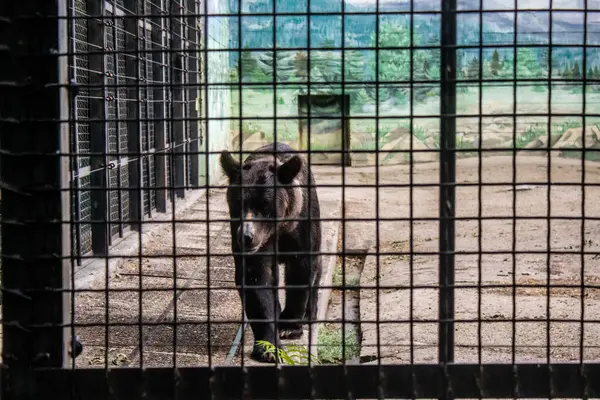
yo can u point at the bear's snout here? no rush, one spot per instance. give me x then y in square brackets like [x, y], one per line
[246, 236]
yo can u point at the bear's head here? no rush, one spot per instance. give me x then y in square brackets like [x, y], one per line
[270, 190]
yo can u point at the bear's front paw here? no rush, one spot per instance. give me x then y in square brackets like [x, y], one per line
[290, 330]
[260, 354]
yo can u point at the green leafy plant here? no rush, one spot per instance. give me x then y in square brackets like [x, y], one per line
[334, 346]
[292, 355]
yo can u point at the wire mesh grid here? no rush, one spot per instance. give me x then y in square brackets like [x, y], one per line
[425, 227]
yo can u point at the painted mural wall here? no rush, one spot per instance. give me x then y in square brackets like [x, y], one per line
[218, 98]
[274, 50]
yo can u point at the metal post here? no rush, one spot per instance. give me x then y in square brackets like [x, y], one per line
[193, 55]
[177, 64]
[73, 134]
[98, 131]
[160, 133]
[447, 189]
[35, 197]
[136, 202]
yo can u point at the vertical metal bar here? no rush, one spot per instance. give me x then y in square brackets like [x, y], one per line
[514, 182]
[206, 146]
[98, 130]
[480, 188]
[135, 6]
[202, 93]
[239, 83]
[160, 138]
[174, 43]
[582, 258]
[133, 116]
[119, 158]
[184, 95]
[411, 178]
[142, 77]
[343, 184]
[35, 239]
[377, 194]
[169, 97]
[549, 235]
[111, 103]
[146, 149]
[74, 134]
[447, 182]
[177, 99]
[193, 95]
[73, 183]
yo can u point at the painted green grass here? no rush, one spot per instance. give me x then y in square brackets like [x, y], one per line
[263, 102]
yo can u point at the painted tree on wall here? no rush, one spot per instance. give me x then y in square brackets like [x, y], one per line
[250, 71]
[300, 64]
[426, 67]
[576, 71]
[393, 65]
[325, 66]
[528, 64]
[567, 72]
[496, 64]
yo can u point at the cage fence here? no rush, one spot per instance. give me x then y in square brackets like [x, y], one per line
[426, 227]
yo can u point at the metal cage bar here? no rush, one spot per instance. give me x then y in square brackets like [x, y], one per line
[108, 104]
[35, 191]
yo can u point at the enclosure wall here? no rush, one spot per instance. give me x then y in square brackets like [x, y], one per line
[135, 128]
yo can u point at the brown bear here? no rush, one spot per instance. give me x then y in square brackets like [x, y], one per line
[273, 210]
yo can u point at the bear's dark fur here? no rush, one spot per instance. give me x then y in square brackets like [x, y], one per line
[259, 233]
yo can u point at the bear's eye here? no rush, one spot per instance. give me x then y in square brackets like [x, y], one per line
[246, 167]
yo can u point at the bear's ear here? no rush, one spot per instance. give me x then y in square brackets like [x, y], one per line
[230, 166]
[289, 170]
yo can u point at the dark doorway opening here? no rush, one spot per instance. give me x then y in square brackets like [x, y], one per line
[329, 128]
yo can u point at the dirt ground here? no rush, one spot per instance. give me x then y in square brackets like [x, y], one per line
[162, 291]
[207, 320]
[392, 341]
[197, 346]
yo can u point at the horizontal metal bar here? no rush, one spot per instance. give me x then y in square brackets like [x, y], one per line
[215, 254]
[324, 382]
[334, 13]
[326, 117]
[85, 171]
[380, 186]
[486, 83]
[320, 49]
[228, 286]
